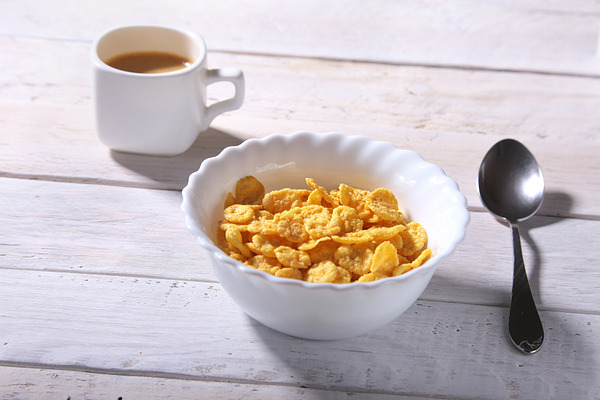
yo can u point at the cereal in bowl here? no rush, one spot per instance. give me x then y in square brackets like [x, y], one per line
[339, 236]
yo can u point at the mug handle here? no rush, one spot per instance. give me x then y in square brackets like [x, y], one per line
[233, 75]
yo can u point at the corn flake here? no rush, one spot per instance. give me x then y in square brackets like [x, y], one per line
[312, 243]
[249, 190]
[347, 219]
[265, 264]
[293, 258]
[318, 222]
[384, 205]
[290, 273]
[342, 236]
[322, 193]
[290, 225]
[385, 259]
[414, 238]
[229, 200]
[354, 198]
[230, 250]
[266, 244]
[327, 272]
[234, 238]
[406, 265]
[355, 259]
[360, 237]
[278, 201]
[371, 277]
[323, 251]
[239, 213]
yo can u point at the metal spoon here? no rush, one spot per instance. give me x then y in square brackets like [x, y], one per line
[511, 186]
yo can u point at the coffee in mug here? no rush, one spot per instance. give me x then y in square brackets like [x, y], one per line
[148, 62]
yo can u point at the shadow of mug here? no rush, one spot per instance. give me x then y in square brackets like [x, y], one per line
[173, 172]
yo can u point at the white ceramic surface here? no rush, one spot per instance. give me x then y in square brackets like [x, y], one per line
[156, 114]
[326, 311]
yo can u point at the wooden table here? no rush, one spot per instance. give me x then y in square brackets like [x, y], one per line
[104, 294]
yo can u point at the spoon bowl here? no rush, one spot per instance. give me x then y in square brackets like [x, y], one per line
[511, 187]
[511, 184]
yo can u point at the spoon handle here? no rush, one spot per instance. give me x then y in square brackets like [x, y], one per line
[524, 324]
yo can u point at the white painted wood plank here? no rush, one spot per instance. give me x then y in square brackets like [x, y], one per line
[450, 117]
[532, 35]
[30, 383]
[151, 326]
[560, 258]
[96, 229]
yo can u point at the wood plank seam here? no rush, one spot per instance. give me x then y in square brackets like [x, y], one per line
[457, 67]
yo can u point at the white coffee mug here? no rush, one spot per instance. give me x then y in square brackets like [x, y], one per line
[156, 113]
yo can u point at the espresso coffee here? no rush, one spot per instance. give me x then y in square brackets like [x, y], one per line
[148, 62]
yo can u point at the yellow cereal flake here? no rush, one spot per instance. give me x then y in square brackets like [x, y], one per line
[360, 237]
[278, 201]
[262, 226]
[314, 198]
[347, 219]
[385, 259]
[402, 268]
[291, 273]
[355, 259]
[290, 225]
[266, 244]
[397, 241]
[239, 213]
[323, 251]
[415, 238]
[234, 238]
[293, 258]
[249, 190]
[354, 198]
[317, 221]
[229, 200]
[323, 194]
[227, 248]
[327, 272]
[384, 205]
[265, 264]
[408, 265]
[342, 236]
[312, 243]
[382, 233]
[224, 225]
[417, 262]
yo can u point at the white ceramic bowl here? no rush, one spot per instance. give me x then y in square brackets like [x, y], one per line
[323, 310]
